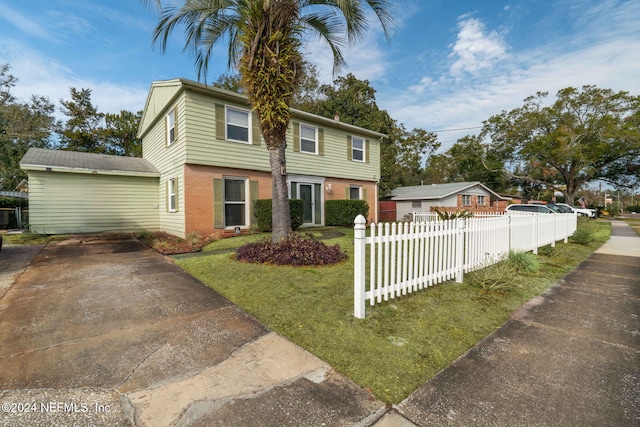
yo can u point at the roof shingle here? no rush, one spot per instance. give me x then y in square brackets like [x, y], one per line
[41, 157]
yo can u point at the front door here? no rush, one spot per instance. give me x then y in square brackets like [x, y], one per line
[305, 192]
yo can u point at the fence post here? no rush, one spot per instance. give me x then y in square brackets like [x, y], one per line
[359, 242]
[460, 238]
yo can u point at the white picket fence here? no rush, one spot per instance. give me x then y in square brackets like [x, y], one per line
[408, 257]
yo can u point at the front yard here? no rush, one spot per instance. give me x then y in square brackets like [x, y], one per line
[402, 343]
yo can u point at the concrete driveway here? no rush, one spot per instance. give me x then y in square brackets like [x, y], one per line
[100, 330]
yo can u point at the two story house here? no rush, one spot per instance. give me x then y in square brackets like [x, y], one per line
[202, 149]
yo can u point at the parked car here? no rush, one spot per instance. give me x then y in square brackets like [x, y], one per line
[590, 213]
[529, 208]
[557, 208]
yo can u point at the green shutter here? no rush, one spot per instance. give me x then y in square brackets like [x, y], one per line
[255, 124]
[176, 189]
[364, 193]
[253, 196]
[175, 124]
[166, 198]
[218, 203]
[349, 148]
[366, 150]
[220, 126]
[294, 190]
[321, 141]
[348, 192]
[318, 203]
[296, 136]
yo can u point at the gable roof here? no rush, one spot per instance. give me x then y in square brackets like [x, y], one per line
[437, 191]
[72, 161]
[169, 90]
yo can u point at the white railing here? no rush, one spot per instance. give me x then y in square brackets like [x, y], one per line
[407, 257]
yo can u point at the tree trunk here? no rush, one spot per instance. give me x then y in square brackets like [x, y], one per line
[280, 214]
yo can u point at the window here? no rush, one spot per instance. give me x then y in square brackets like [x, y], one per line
[357, 149]
[308, 139]
[416, 204]
[235, 202]
[355, 193]
[237, 125]
[172, 195]
[466, 200]
[480, 200]
[171, 127]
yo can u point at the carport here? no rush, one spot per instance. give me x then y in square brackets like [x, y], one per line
[72, 192]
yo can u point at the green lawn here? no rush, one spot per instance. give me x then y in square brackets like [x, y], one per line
[401, 343]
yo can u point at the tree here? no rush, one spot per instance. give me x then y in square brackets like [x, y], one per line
[402, 152]
[264, 39]
[91, 131]
[22, 125]
[121, 133]
[585, 135]
[467, 160]
[83, 129]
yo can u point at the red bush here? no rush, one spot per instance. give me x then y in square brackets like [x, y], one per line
[295, 249]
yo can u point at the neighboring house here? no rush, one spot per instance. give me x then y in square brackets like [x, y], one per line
[210, 163]
[471, 196]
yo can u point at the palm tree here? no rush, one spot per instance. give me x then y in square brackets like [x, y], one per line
[264, 43]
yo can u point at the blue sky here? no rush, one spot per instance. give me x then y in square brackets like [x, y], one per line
[451, 63]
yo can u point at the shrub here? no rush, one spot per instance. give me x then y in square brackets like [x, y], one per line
[582, 236]
[444, 215]
[523, 261]
[13, 202]
[633, 208]
[497, 277]
[342, 213]
[295, 249]
[613, 210]
[262, 212]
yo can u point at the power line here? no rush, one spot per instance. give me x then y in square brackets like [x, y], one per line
[453, 130]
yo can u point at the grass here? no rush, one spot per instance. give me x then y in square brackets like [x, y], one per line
[401, 343]
[27, 238]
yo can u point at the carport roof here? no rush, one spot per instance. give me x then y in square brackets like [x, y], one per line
[437, 191]
[73, 161]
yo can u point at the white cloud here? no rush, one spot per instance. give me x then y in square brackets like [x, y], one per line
[474, 49]
[42, 75]
[26, 24]
[425, 82]
[602, 54]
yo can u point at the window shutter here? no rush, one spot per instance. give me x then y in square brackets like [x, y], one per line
[296, 136]
[366, 151]
[220, 126]
[166, 130]
[349, 148]
[321, 141]
[175, 124]
[218, 203]
[364, 193]
[255, 128]
[166, 190]
[348, 192]
[253, 196]
[175, 183]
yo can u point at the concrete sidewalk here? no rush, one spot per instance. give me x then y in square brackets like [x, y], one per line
[570, 357]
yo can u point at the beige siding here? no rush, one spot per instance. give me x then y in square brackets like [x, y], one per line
[157, 102]
[204, 149]
[335, 162]
[83, 203]
[172, 222]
